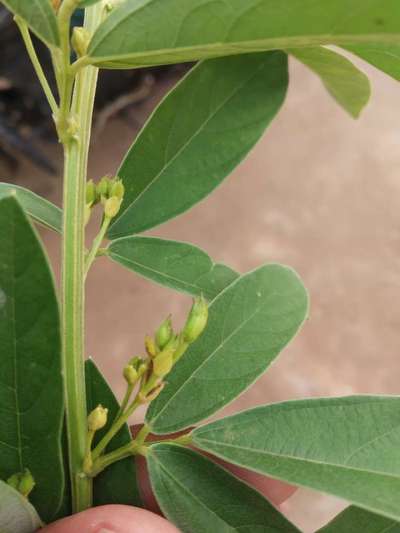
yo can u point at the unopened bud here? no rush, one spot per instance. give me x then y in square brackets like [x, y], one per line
[112, 207]
[130, 375]
[102, 187]
[164, 333]
[150, 346]
[91, 193]
[97, 419]
[23, 482]
[26, 484]
[80, 40]
[163, 363]
[117, 189]
[197, 320]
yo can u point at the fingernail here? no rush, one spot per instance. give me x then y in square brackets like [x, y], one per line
[104, 530]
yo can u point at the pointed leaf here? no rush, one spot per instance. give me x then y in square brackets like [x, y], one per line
[197, 136]
[117, 484]
[197, 495]
[177, 265]
[250, 322]
[348, 447]
[353, 519]
[344, 81]
[31, 389]
[38, 208]
[154, 32]
[39, 15]
[385, 57]
[17, 515]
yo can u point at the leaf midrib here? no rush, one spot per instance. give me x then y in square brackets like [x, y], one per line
[191, 139]
[290, 457]
[240, 47]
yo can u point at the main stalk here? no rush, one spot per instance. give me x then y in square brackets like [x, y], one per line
[76, 148]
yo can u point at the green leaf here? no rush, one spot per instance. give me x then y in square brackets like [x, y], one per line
[38, 208]
[117, 484]
[17, 515]
[40, 17]
[250, 322]
[385, 57]
[157, 32]
[348, 447]
[199, 496]
[346, 83]
[197, 136]
[177, 265]
[87, 3]
[31, 389]
[353, 519]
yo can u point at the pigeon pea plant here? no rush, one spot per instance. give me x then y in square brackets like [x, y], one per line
[64, 441]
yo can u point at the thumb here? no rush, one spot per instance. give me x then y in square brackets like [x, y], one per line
[112, 519]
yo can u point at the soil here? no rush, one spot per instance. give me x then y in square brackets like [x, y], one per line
[320, 193]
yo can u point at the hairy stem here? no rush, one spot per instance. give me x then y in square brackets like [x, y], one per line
[76, 149]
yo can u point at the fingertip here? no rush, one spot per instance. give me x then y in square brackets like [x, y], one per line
[112, 519]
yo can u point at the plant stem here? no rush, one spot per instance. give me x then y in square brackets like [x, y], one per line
[97, 244]
[26, 36]
[76, 156]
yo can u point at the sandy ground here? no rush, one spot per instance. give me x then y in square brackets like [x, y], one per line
[320, 193]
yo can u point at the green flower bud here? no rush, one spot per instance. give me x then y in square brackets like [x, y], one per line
[164, 333]
[23, 482]
[26, 484]
[130, 375]
[117, 189]
[136, 362]
[102, 187]
[97, 419]
[164, 361]
[91, 193]
[80, 40]
[112, 207]
[197, 320]
[150, 346]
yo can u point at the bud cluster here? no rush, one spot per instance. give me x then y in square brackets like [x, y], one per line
[109, 192]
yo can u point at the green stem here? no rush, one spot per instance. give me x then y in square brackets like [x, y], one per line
[97, 244]
[125, 401]
[26, 36]
[76, 156]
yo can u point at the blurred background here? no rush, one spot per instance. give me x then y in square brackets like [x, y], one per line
[320, 192]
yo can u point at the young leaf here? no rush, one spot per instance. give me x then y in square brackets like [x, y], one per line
[39, 15]
[385, 57]
[197, 136]
[31, 392]
[17, 515]
[250, 322]
[38, 208]
[197, 495]
[117, 483]
[348, 447]
[353, 519]
[345, 82]
[157, 32]
[177, 265]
